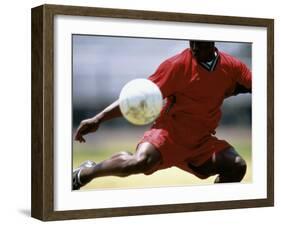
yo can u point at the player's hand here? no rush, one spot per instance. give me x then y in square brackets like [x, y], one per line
[86, 126]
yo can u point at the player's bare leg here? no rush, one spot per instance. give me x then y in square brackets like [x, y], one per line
[228, 164]
[122, 164]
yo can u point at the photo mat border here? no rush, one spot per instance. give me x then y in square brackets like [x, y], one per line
[42, 48]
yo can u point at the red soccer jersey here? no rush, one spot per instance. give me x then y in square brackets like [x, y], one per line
[184, 131]
[199, 93]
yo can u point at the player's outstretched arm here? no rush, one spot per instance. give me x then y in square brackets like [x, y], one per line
[92, 124]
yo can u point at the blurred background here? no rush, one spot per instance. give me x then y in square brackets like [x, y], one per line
[102, 65]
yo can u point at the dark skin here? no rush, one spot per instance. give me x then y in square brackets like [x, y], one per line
[146, 156]
[91, 125]
[202, 51]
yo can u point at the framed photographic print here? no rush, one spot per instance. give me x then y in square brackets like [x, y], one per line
[206, 143]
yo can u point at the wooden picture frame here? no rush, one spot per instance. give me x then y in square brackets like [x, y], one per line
[42, 203]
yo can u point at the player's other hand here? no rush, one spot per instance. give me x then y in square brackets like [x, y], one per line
[86, 126]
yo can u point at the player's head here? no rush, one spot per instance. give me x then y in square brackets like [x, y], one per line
[203, 51]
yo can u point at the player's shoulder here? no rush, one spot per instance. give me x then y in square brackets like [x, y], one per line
[179, 59]
[231, 62]
[228, 59]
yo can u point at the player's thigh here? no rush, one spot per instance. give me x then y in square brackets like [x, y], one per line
[205, 170]
[221, 162]
[148, 153]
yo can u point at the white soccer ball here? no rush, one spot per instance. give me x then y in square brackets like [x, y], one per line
[140, 101]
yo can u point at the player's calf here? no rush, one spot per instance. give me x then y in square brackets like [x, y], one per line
[136, 165]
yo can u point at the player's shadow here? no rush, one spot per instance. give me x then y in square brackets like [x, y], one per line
[25, 212]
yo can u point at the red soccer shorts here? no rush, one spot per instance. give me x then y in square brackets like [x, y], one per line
[181, 144]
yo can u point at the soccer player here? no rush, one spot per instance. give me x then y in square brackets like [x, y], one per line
[194, 83]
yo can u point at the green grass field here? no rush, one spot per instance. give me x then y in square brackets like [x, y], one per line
[105, 143]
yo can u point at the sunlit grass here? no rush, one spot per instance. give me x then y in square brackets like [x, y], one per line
[168, 177]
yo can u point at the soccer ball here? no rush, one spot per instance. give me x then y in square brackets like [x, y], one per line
[140, 101]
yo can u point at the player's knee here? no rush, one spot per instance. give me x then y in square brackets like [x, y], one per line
[235, 172]
[240, 168]
[232, 167]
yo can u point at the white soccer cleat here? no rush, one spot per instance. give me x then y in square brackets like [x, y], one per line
[76, 183]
